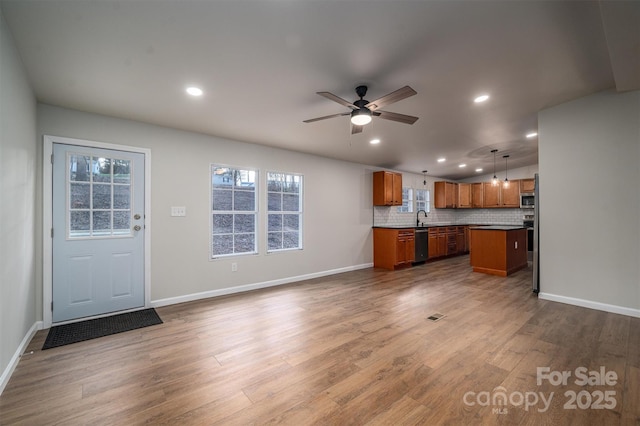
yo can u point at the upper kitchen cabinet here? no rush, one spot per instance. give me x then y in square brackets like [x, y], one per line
[464, 196]
[501, 196]
[446, 195]
[477, 195]
[491, 194]
[527, 185]
[510, 195]
[387, 188]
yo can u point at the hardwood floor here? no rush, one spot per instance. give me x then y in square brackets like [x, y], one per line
[355, 348]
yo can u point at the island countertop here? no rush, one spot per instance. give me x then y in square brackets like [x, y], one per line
[497, 227]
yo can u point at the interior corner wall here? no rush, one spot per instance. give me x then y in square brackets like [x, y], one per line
[589, 152]
[337, 204]
[17, 205]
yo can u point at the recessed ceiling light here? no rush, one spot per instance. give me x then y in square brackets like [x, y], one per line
[462, 165]
[481, 98]
[374, 141]
[441, 160]
[478, 170]
[194, 91]
[532, 135]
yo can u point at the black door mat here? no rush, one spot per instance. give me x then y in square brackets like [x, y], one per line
[61, 335]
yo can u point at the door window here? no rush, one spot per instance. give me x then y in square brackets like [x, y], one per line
[99, 197]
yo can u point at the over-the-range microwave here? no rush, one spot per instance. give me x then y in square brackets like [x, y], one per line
[527, 200]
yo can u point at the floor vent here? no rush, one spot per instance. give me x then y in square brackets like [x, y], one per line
[435, 317]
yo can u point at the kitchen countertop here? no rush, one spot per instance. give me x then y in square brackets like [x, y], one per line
[438, 225]
[498, 227]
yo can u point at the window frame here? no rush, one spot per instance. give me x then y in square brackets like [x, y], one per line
[213, 256]
[299, 213]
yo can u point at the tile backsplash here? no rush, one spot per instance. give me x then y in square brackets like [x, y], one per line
[389, 216]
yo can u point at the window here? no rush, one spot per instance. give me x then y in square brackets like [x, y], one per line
[423, 201]
[407, 201]
[99, 196]
[284, 218]
[234, 211]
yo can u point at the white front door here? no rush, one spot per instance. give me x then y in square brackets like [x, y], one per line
[98, 231]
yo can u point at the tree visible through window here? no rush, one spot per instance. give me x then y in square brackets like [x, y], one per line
[234, 211]
[284, 218]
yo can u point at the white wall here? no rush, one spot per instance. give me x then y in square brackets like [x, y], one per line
[589, 151]
[337, 205]
[17, 205]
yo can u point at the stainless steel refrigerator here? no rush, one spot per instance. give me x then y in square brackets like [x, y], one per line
[536, 237]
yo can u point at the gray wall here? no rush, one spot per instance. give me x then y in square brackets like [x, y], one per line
[18, 171]
[589, 151]
[337, 205]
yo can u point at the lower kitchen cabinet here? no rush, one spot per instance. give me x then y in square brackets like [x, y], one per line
[447, 241]
[460, 240]
[393, 248]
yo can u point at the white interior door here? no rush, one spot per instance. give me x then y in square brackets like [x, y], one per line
[98, 231]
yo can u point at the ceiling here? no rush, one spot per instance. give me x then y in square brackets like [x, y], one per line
[260, 64]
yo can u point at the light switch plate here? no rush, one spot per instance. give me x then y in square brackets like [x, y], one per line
[178, 211]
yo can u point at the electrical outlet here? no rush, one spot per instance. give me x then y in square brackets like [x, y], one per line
[178, 211]
[234, 267]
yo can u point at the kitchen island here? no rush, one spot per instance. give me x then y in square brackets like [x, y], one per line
[498, 250]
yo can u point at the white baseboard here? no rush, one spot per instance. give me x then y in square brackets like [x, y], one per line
[615, 309]
[6, 374]
[255, 286]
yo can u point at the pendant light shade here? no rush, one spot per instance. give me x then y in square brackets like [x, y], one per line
[361, 116]
[506, 170]
[494, 180]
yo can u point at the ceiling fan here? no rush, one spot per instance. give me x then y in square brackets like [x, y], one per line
[362, 110]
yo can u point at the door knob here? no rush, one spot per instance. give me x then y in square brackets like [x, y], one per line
[137, 228]
[136, 216]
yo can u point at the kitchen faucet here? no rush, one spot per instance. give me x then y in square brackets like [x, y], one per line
[418, 217]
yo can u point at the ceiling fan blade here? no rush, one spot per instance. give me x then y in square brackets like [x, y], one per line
[326, 116]
[392, 97]
[394, 116]
[337, 99]
[356, 129]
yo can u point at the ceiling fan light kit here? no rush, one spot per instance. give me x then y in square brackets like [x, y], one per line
[361, 116]
[362, 111]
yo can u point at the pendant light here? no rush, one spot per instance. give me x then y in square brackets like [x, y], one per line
[506, 169]
[494, 181]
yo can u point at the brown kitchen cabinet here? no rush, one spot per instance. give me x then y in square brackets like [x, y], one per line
[437, 242]
[467, 241]
[452, 247]
[446, 195]
[387, 188]
[527, 185]
[460, 240]
[501, 196]
[464, 196]
[510, 195]
[393, 248]
[491, 194]
[477, 195]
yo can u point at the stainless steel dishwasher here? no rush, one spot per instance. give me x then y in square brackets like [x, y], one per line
[422, 245]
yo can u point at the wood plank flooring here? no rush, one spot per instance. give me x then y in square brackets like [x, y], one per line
[349, 349]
